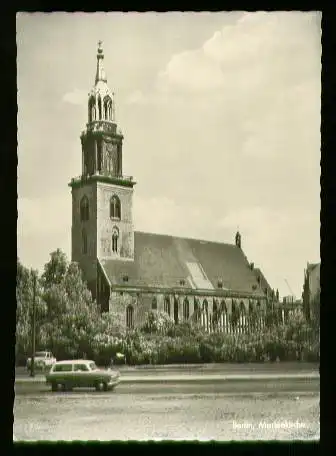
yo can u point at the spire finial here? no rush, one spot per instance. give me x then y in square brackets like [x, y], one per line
[100, 74]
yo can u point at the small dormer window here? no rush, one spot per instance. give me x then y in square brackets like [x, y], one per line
[182, 282]
[258, 279]
[254, 287]
[220, 284]
[125, 278]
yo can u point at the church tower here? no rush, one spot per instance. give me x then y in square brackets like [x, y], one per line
[102, 225]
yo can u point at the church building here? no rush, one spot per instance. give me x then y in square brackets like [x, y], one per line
[131, 272]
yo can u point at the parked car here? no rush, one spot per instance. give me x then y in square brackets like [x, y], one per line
[42, 360]
[66, 375]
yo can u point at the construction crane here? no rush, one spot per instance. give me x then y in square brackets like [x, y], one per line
[289, 288]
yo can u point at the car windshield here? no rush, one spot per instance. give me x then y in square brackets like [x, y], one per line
[93, 366]
[41, 354]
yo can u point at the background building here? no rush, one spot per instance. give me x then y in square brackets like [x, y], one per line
[131, 272]
[311, 290]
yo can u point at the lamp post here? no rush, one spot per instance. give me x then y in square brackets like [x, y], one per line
[32, 367]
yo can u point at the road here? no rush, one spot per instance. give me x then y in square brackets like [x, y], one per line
[226, 410]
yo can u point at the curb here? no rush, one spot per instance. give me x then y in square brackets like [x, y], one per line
[194, 378]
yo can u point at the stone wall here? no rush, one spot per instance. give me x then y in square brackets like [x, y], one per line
[142, 302]
[87, 262]
[105, 224]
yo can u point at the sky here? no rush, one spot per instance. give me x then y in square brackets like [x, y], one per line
[221, 120]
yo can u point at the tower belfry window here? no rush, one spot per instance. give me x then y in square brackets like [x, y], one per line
[92, 109]
[115, 209]
[107, 108]
[99, 108]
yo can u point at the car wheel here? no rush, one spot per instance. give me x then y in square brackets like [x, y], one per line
[101, 386]
[66, 387]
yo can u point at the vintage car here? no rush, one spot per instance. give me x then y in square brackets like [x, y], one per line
[66, 375]
[42, 360]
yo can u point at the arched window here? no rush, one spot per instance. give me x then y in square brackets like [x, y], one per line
[242, 317]
[129, 317]
[84, 241]
[115, 236]
[99, 155]
[99, 108]
[107, 110]
[223, 319]
[176, 316]
[214, 306]
[115, 207]
[205, 315]
[92, 109]
[154, 303]
[167, 305]
[186, 309]
[84, 209]
[234, 314]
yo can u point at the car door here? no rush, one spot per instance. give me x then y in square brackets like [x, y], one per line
[63, 373]
[81, 375]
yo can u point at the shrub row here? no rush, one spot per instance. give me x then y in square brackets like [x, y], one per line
[207, 348]
[161, 342]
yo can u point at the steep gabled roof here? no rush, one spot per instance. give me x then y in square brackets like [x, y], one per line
[263, 282]
[172, 262]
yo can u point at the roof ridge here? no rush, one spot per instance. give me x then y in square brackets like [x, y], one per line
[185, 238]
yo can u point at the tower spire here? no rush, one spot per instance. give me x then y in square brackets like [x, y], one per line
[100, 74]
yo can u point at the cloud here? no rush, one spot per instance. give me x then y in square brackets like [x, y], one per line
[260, 77]
[192, 71]
[136, 97]
[248, 54]
[76, 97]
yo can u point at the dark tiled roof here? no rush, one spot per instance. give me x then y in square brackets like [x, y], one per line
[163, 261]
[263, 282]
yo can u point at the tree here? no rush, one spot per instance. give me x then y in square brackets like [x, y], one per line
[24, 300]
[72, 315]
[157, 322]
[316, 309]
[55, 270]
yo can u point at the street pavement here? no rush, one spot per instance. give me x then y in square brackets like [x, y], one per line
[195, 381]
[222, 368]
[221, 402]
[159, 414]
